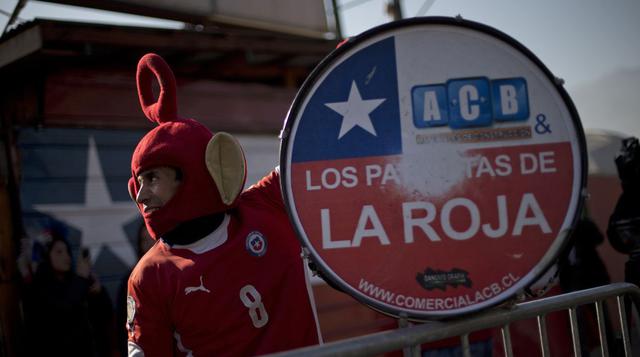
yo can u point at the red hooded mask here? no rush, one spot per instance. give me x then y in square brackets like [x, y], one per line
[187, 145]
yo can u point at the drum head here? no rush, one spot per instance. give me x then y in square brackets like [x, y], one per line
[433, 167]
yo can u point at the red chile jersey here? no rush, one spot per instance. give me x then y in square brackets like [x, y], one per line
[242, 290]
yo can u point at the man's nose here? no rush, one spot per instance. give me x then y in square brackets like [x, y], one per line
[143, 194]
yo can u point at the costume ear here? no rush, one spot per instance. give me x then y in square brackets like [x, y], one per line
[226, 164]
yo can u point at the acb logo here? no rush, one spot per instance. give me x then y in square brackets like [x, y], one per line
[470, 102]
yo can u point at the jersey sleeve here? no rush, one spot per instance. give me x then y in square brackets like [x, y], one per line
[148, 326]
[269, 188]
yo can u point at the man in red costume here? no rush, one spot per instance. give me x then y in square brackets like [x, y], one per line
[225, 276]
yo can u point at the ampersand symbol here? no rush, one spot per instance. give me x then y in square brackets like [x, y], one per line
[542, 127]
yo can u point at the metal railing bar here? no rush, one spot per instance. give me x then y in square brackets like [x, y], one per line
[544, 339]
[408, 351]
[506, 340]
[622, 313]
[466, 349]
[602, 329]
[393, 340]
[575, 332]
[416, 351]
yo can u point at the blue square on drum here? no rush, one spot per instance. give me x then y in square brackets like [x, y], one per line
[510, 99]
[429, 105]
[469, 103]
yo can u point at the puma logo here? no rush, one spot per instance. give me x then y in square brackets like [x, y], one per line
[200, 287]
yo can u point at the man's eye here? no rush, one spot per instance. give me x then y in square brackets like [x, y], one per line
[146, 178]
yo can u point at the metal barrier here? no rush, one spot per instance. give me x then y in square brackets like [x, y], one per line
[501, 316]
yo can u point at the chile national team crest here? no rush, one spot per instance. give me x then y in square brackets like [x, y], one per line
[433, 167]
[256, 244]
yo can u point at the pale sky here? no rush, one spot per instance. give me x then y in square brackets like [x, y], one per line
[579, 40]
[592, 44]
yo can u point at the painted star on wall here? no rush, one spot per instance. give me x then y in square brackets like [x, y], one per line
[355, 111]
[99, 219]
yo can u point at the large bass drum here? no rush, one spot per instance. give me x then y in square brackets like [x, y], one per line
[433, 167]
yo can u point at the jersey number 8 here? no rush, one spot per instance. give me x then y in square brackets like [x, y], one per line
[253, 301]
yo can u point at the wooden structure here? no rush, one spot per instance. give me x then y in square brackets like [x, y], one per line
[73, 74]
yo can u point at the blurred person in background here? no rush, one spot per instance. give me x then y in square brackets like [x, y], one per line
[580, 269]
[623, 230]
[67, 312]
[624, 224]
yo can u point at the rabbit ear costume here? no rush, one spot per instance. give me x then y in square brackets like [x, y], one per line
[212, 166]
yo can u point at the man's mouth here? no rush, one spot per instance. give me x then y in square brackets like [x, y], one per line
[148, 209]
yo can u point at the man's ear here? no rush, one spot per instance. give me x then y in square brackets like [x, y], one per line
[132, 189]
[227, 166]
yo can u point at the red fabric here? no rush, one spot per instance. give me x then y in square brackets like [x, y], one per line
[219, 323]
[176, 142]
[166, 108]
[179, 144]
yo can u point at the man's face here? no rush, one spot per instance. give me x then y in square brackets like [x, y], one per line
[157, 186]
